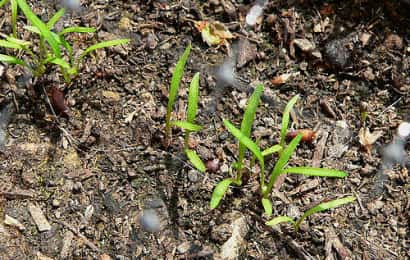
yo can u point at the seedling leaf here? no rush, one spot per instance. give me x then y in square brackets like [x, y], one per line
[11, 45]
[267, 206]
[285, 119]
[187, 126]
[12, 60]
[193, 98]
[101, 45]
[248, 118]
[247, 142]
[173, 89]
[60, 62]
[45, 32]
[282, 161]
[14, 7]
[271, 150]
[3, 2]
[77, 29]
[55, 18]
[324, 206]
[219, 192]
[195, 160]
[312, 171]
[280, 219]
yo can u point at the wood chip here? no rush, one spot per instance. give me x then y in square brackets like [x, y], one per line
[319, 150]
[39, 218]
[10, 221]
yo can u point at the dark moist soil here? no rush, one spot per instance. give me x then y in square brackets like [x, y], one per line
[94, 173]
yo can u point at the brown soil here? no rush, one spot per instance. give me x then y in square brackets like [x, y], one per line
[93, 173]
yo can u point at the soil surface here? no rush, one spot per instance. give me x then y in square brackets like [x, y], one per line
[103, 185]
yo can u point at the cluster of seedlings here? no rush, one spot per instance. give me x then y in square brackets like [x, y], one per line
[283, 150]
[52, 48]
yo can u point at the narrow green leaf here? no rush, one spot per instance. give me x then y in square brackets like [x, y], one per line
[45, 32]
[3, 2]
[267, 206]
[187, 126]
[32, 29]
[60, 62]
[195, 160]
[219, 192]
[11, 45]
[285, 119]
[271, 150]
[193, 98]
[76, 29]
[280, 219]
[55, 18]
[14, 8]
[176, 79]
[23, 43]
[312, 171]
[247, 142]
[324, 206]
[12, 60]
[283, 160]
[101, 45]
[248, 118]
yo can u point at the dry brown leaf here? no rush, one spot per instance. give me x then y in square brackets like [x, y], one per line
[213, 33]
[367, 139]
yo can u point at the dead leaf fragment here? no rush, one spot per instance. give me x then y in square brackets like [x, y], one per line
[111, 95]
[283, 78]
[213, 33]
[367, 139]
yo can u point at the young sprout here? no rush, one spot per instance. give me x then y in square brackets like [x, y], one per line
[13, 7]
[318, 208]
[285, 153]
[51, 44]
[173, 90]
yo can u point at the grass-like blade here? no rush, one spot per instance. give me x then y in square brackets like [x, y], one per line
[13, 60]
[45, 32]
[195, 160]
[55, 18]
[187, 126]
[11, 45]
[3, 2]
[251, 145]
[267, 206]
[23, 43]
[60, 62]
[282, 161]
[285, 119]
[77, 29]
[193, 98]
[248, 118]
[173, 89]
[324, 206]
[14, 9]
[32, 29]
[280, 219]
[219, 192]
[100, 45]
[312, 171]
[271, 150]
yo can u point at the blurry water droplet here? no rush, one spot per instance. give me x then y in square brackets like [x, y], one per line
[150, 221]
[71, 4]
[403, 130]
[254, 13]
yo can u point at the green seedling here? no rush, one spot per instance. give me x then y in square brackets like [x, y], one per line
[318, 208]
[193, 95]
[13, 7]
[173, 90]
[285, 152]
[51, 45]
